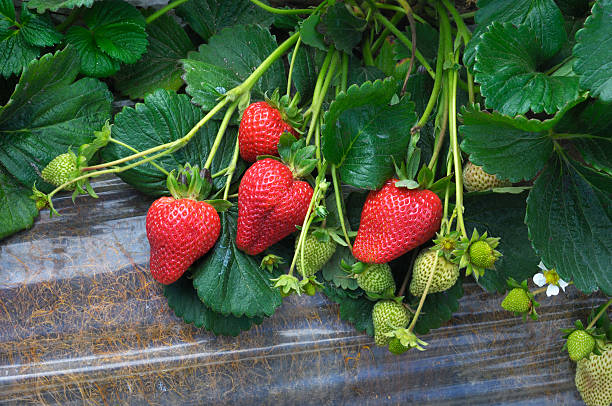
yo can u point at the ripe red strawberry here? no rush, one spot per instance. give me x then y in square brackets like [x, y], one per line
[260, 130]
[179, 232]
[395, 220]
[270, 204]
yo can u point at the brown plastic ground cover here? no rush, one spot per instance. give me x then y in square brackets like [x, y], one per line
[82, 322]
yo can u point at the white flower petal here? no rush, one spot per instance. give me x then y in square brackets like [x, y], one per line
[563, 284]
[542, 266]
[539, 279]
[552, 290]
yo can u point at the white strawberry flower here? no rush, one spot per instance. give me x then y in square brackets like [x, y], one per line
[550, 277]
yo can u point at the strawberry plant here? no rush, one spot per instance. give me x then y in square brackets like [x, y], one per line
[381, 153]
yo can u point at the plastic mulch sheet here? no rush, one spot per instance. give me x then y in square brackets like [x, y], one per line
[82, 322]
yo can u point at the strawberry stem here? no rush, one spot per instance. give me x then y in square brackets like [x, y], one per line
[424, 295]
[283, 11]
[439, 141]
[338, 195]
[599, 314]
[230, 171]
[111, 139]
[305, 225]
[320, 96]
[293, 56]
[408, 274]
[226, 119]
[435, 92]
[164, 10]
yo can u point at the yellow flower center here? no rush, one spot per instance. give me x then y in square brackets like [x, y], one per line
[552, 277]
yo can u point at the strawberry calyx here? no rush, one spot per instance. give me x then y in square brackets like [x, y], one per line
[287, 108]
[271, 262]
[189, 183]
[477, 253]
[296, 155]
[407, 339]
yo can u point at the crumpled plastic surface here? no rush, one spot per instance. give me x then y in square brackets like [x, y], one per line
[82, 322]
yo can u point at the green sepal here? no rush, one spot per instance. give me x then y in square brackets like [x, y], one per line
[462, 255]
[407, 338]
[87, 151]
[446, 244]
[220, 205]
[310, 285]
[287, 285]
[425, 177]
[42, 200]
[296, 155]
[271, 262]
[389, 294]
[287, 108]
[190, 183]
[356, 268]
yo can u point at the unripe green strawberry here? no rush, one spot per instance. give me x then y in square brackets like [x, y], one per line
[316, 254]
[475, 179]
[517, 301]
[387, 316]
[59, 170]
[396, 347]
[445, 276]
[377, 278]
[481, 254]
[594, 378]
[580, 344]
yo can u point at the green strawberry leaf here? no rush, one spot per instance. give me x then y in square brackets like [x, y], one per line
[502, 216]
[20, 41]
[594, 53]
[184, 301]
[209, 17]
[94, 62]
[309, 33]
[48, 114]
[333, 272]
[115, 33]
[43, 5]
[542, 16]
[159, 67]
[363, 133]
[165, 117]
[17, 210]
[439, 308]
[596, 152]
[229, 281]
[506, 67]
[569, 216]
[342, 28]
[227, 60]
[592, 117]
[355, 310]
[511, 148]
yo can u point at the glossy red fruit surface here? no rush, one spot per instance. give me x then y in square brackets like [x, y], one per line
[394, 221]
[270, 204]
[179, 232]
[260, 130]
